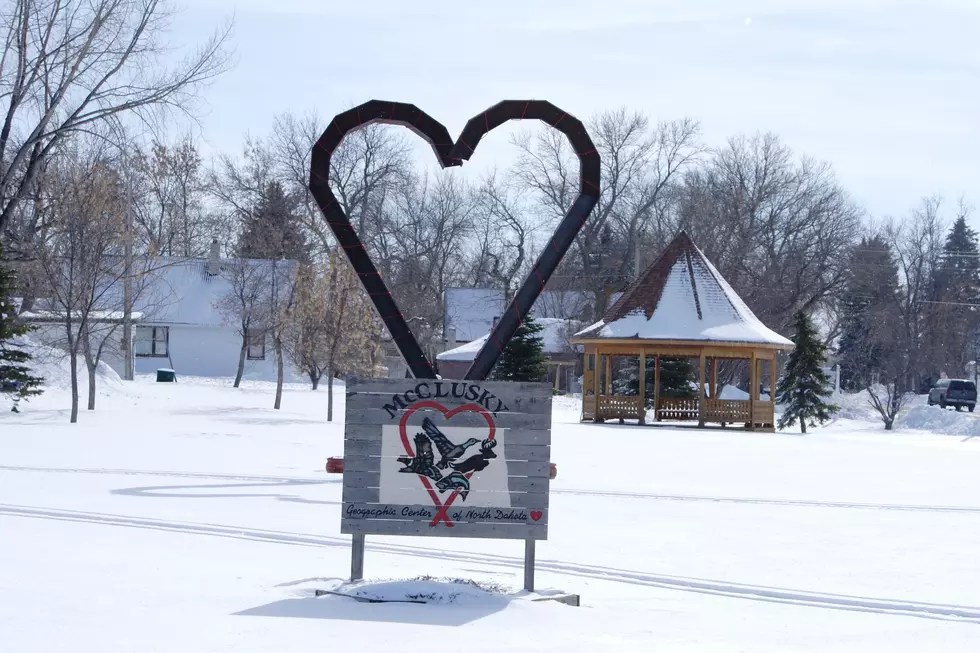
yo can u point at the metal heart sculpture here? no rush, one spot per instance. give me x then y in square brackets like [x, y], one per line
[454, 153]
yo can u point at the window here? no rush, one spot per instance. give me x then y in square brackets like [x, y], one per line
[151, 342]
[256, 344]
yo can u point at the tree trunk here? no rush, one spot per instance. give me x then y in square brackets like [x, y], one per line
[90, 367]
[329, 393]
[315, 380]
[73, 361]
[802, 426]
[278, 342]
[241, 363]
[888, 424]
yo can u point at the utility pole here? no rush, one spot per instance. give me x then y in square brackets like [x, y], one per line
[128, 280]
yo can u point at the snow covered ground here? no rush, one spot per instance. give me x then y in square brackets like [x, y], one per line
[192, 517]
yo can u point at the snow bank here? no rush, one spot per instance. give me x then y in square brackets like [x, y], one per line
[53, 365]
[426, 589]
[938, 420]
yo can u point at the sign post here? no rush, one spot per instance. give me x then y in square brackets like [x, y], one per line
[446, 458]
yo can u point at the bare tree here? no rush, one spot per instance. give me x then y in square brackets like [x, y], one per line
[917, 243]
[640, 166]
[169, 201]
[69, 65]
[244, 304]
[352, 333]
[280, 300]
[80, 257]
[888, 398]
[778, 227]
[420, 248]
[504, 236]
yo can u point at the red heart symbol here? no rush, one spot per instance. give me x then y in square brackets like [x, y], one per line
[450, 153]
[536, 515]
[441, 514]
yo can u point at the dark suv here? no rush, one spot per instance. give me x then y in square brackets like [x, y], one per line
[954, 392]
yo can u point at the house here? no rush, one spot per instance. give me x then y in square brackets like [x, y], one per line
[470, 313]
[181, 323]
[562, 358]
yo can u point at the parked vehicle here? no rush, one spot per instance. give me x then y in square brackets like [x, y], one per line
[954, 392]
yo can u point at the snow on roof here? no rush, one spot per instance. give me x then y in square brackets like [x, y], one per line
[93, 316]
[554, 334]
[682, 296]
[176, 291]
[471, 311]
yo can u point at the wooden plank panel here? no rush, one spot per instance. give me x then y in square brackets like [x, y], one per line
[531, 484]
[458, 513]
[498, 531]
[502, 420]
[535, 500]
[522, 435]
[528, 469]
[518, 404]
[372, 449]
[386, 385]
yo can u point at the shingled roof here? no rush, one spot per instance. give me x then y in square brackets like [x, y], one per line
[681, 296]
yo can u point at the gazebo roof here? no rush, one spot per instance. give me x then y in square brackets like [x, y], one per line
[682, 297]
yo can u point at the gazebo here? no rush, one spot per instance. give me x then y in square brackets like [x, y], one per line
[680, 308]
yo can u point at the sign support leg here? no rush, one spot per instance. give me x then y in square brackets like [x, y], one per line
[529, 565]
[357, 557]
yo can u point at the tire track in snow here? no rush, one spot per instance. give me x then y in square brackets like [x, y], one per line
[803, 598]
[137, 472]
[573, 492]
[770, 502]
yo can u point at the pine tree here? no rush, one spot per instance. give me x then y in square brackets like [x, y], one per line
[869, 314]
[676, 376]
[523, 358]
[956, 289]
[15, 376]
[804, 385]
[273, 230]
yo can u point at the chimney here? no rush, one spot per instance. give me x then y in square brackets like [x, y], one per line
[214, 260]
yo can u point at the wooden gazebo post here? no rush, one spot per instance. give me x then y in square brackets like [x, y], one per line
[753, 390]
[643, 385]
[656, 389]
[701, 393]
[597, 369]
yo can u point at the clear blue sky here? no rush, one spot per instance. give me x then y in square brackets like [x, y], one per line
[889, 92]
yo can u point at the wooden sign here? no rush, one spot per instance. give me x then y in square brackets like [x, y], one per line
[447, 458]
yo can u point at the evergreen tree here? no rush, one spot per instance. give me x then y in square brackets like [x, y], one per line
[676, 376]
[956, 290]
[804, 385]
[870, 319]
[15, 376]
[523, 358]
[273, 229]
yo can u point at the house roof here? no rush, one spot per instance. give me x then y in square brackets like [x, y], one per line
[471, 311]
[682, 296]
[183, 292]
[554, 334]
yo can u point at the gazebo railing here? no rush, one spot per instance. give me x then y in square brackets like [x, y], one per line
[677, 409]
[726, 410]
[620, 407]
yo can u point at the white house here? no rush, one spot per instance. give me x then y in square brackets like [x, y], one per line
[470, 313]
[180, 324]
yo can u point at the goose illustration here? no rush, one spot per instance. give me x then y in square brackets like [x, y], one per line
[447, 450]
[479, 461]
[422, 462]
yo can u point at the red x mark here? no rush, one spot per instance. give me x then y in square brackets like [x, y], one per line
[442, 509]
